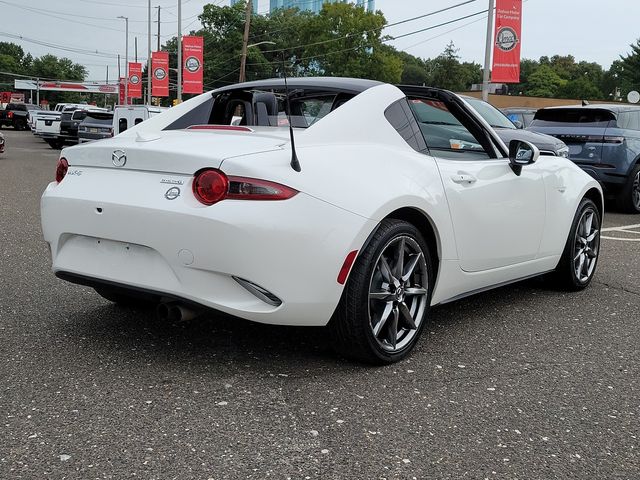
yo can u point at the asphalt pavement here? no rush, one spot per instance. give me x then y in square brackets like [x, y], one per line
[522, 382]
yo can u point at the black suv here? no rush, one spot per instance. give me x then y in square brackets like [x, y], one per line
[604, 140]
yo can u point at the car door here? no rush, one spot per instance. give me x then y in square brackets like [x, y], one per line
[498, 216]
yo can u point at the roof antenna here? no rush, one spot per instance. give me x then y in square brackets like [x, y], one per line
[295, 163]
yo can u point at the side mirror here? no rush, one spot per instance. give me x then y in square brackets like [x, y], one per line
[519, 125]
[522, 153]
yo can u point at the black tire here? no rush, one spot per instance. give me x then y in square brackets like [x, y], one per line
[628, 200]
[352, 324]
[565, 276]
[126, 299]
[55, 144]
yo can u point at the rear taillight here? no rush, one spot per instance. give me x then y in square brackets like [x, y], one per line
[610, 139]
[61, 169]
[9, 114]
[211, 186]
[241, 188]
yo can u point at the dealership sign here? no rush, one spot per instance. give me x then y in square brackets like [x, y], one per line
[82, 87]
[507, 42]
[192, 55]
[160, 77]
[135, 80]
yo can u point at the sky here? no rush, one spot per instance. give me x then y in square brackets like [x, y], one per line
[590, 30]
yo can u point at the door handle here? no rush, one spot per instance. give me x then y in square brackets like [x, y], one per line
[463, 179]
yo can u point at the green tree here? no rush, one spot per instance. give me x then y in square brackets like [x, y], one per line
[544, 82]
[629, 70]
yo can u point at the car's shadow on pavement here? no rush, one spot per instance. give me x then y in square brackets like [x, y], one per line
[218, 338]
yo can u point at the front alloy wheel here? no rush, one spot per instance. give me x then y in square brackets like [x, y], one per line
[386, 300]
[580, 257]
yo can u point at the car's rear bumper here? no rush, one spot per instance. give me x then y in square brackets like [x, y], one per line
[128, 234]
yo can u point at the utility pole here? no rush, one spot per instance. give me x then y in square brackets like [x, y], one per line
[126, 67]
[38, 90]
[158, 49]
[135, 48]
[106, 83]
[245, 42]
[179, 50]
[149, 56]
[487, 53]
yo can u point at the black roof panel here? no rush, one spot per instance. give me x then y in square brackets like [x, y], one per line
[343, 84]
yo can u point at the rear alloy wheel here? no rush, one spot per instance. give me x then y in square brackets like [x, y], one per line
[629, 197]
[387, 298]
[580, 257]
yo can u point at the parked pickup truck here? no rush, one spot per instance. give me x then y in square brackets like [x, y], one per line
[15, 115]
[47, 124]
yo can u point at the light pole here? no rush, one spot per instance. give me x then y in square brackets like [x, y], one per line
[126, 65]
[179, 50]
[487, 53]
[149, 55]
[243, 60]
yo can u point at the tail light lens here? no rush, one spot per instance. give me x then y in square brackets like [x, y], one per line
[610, 139]
[9, 114]
[211, 186]
[61, 169]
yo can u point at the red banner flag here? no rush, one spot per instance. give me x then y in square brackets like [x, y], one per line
[506, 48]
[192, 56]
[160, 78]
[121, 93]
[135, 80]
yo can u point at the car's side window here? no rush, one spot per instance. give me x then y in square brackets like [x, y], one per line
[444, 134]
[399, 115]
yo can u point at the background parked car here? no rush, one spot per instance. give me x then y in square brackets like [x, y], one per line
[127, 116]
[604, 140]
[15, 115]
[521, 117]
[71, 119]
[507, 131]
[95, 125]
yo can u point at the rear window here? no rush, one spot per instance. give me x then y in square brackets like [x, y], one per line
[564, 117]
[99, 117]
[78, 115]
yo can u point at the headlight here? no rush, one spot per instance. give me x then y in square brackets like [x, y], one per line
[563, 152]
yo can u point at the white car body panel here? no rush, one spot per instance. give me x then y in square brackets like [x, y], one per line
[117, 226]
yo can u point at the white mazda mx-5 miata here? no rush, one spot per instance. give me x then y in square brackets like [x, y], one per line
[391, 200]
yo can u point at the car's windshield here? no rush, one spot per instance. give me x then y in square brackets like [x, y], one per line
[491, 114]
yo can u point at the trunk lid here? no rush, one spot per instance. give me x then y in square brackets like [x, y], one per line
[174, 151]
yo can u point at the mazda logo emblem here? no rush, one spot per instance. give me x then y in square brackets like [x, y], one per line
[119, 158]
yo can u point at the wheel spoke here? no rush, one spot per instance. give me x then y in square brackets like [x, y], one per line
[385, 296]
[400, 262]
[392, 329]
[407, 319]
[411, 266]
[383, 319]
[410, 292]
[385, 270]
[580, 266]
[591, 237]
[579, 254]
[588, 221]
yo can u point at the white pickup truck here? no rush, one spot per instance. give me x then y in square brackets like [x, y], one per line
[47, 124]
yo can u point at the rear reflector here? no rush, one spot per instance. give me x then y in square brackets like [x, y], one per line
[229, 128]
[346, 267]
